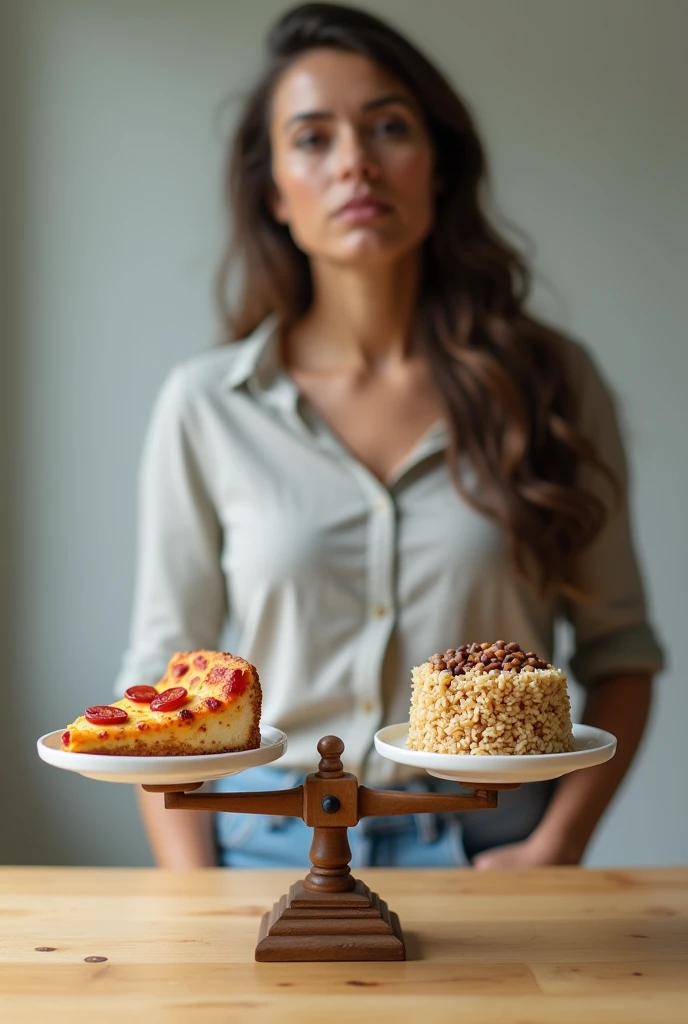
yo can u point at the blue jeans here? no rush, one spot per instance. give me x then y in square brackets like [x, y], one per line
[404, 841]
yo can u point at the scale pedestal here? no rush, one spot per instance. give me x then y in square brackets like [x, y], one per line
[330, 915]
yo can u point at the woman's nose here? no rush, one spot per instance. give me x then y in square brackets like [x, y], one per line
[354, 157]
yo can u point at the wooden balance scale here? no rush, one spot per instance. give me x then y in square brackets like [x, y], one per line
[329, 915]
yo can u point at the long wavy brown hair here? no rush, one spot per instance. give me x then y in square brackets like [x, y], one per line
[501, 372]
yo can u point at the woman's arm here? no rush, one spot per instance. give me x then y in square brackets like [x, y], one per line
[180, 840]
[180, 601]
[616, 653]
[620, 704]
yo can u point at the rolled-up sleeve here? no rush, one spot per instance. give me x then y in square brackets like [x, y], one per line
[180, 596]
[611, 628]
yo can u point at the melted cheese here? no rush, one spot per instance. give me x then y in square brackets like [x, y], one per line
[232, 726]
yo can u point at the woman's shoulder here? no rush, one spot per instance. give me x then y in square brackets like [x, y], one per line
[218, 369]
[580, 361]
[599, 411]
[586, 377]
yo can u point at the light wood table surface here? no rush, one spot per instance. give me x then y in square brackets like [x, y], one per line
[552, 946]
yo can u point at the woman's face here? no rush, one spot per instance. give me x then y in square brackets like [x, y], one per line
[352, 160]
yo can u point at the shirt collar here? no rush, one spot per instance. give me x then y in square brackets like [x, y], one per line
[257, 355]
[258, 366]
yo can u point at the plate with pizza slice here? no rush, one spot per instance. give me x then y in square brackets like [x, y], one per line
[162, 770]
[201, 721]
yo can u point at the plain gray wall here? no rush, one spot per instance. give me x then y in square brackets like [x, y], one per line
[113, 230]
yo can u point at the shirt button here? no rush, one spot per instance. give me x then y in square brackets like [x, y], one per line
[379, 611]
[380, 505]
[367, 707]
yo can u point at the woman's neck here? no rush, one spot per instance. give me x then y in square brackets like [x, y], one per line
[360, 317]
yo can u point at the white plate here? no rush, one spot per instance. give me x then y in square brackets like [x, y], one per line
[593, 746]
[160, 771]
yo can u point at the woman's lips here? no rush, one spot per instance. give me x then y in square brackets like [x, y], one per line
[361, 210]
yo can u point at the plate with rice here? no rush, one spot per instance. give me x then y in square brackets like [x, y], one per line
[593, 746]
[491, 712]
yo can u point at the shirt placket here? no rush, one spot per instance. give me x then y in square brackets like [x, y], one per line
[380, 603]
[379, 556]
[381, 600]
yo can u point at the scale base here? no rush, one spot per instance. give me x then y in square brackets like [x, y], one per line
[354, 925]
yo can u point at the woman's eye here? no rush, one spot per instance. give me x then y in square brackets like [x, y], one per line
[311, 140]
[393, 126]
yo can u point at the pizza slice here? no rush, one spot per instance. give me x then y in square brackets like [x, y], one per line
[208, 702]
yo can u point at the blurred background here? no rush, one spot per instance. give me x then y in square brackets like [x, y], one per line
[113, 127]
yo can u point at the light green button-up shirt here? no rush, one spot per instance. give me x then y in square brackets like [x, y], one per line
[259, 530]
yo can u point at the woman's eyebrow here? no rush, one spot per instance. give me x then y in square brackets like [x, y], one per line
[379, 101]
[388, 98]
[308, 115]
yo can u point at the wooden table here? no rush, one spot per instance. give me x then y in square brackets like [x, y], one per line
[543, 947]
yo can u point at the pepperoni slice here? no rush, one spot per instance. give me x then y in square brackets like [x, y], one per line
[141, 694]
[105, 714]
[234, 681]
[170, 699]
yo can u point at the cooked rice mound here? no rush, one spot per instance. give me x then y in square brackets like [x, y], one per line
[489, 699]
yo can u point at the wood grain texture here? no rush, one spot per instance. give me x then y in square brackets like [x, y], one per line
[559, 945]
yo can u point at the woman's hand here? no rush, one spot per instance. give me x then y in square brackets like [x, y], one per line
[533, 852]
[619, 704]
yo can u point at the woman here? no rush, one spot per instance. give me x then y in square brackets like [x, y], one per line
[391, 457]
